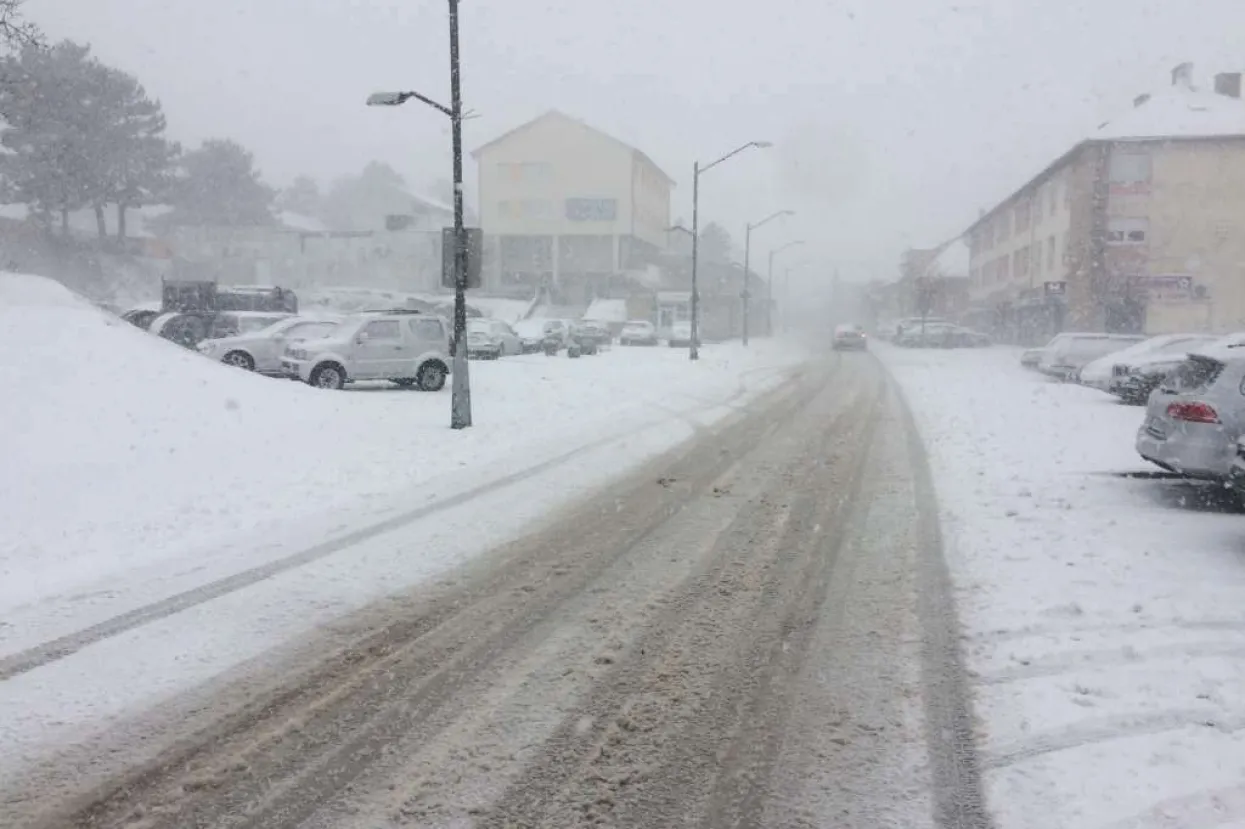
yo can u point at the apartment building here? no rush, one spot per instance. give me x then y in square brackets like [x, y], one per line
[569, 208]
[1139, 227]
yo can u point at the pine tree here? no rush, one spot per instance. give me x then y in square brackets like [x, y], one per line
[48, 103]
[219, 186]
[302, 197]
[135, 161]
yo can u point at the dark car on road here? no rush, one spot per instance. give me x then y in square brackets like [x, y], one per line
[850, 336]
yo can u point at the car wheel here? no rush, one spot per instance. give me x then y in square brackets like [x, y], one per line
[239, 359]
[328, 376]
[431, 377]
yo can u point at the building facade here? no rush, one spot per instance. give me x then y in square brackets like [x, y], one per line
[1139, 228]
[568, 208]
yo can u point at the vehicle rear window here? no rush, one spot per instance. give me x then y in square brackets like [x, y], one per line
[1193, 374]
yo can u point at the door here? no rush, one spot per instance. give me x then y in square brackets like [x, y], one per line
[380, 351]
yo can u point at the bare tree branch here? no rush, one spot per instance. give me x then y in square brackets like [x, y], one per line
[15, 30]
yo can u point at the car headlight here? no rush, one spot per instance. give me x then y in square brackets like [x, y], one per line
[206, 347]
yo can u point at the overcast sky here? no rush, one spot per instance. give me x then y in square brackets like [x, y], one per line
[894, 120]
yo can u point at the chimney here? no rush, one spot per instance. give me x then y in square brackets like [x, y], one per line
[1228, 83]
[1141, 99]
[1182, 75]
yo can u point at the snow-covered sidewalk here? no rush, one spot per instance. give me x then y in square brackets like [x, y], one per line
[179, 516]
[1104, 614]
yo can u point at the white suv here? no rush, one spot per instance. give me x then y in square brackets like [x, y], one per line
[406, 347]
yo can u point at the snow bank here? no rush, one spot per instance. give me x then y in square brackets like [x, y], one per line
[135, 471]
[1104, 614]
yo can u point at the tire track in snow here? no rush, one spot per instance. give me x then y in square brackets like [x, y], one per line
[1105, 729]
[959, 802]
[64, 646]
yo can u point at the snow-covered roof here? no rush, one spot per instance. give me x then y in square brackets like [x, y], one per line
[607, 310]
[952, 261]
[1178, 111]
[298, 221]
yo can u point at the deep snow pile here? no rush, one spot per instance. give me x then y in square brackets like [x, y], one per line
[131, 460]
[1104, 615]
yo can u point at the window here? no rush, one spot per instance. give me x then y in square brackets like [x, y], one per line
[427, 329]
[534, 172]
[309, 330]
[1022, 216]
[1054, 195]
[382, 330]
[1050, 253]
[1127, 231]
[1020, 262]
[591, 210]
[1129, 168]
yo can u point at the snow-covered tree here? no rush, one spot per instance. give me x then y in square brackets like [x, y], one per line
[16, 30]
[218, 185]
[715, 244]
[302, 196]
[80, 134]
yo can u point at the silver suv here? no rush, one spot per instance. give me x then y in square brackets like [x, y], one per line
[406, 347]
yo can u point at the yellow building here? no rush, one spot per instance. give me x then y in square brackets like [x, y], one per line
[1138, 228]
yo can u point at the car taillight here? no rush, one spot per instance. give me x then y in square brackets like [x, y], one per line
[1193, 412]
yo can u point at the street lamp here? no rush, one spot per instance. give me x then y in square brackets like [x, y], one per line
[745, 295]
[460, 401]
[694, 350]
[769, 286]
[786, 294]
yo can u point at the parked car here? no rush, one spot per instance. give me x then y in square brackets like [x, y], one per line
[681, 335]
[598, 332]
[887, 331]
[904, 326]
[1065, 358]
[490, 339]
[407, 347]
[1135, 375]
[1197, 414]
[261, 350]
[962, 337]
[850, 336]
[638, 332]
[143, 315]
[929, 335]
[531, 334]
[1103, 373]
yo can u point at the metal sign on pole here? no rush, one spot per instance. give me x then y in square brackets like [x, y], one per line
[475, 250]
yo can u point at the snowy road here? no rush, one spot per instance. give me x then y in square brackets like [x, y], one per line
[752, 630]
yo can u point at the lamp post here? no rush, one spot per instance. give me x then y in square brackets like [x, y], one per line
[769, 286]
[694, 350]
[745, 295]
[786, 295]
[460, 400]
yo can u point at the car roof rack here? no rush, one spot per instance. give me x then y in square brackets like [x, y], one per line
[391, 311]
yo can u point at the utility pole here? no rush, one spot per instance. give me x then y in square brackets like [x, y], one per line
[746, 295]
[743, 295]
[694, 350]
[694, 347]
[460, 403]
